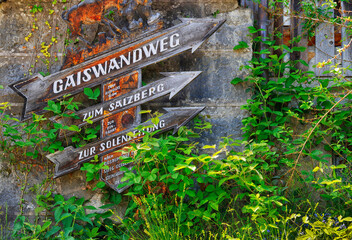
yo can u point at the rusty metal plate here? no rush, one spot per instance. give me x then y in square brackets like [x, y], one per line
[121, 86]
[70, 158]
[189, 34]
[119, 122]
[112, 176]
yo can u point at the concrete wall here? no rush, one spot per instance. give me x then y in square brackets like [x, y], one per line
[216, 59]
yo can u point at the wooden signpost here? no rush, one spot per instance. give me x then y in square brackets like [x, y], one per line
[118, 72]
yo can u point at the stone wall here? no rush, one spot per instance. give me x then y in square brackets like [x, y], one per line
[216, 59]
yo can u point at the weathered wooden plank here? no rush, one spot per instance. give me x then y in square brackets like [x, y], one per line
[250, 4]
[190, 34]
[70, 158]
[299, 34]
[295, 9]
[263, 24]
[303, 43]
[324, 47]
[346, 39]
[278, 26]
[296, 31]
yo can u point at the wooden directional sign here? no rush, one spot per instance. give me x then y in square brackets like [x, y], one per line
[189, 34]
[70, 158]
[118, 72]
[170, 85]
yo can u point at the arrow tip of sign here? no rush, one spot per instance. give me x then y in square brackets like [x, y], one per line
[168, 74]
[188, 112]
[192, 74]
[196, 46]
[184, 79]
[186, 19]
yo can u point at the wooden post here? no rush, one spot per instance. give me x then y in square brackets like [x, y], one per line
[346, 38]
[324, 47]
[278, 26]
[296, 31]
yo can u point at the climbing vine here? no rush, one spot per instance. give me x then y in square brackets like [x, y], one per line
[44, 35]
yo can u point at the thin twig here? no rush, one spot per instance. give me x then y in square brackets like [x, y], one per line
[294, 169]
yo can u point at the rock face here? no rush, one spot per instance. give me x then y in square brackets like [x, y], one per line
[26, 31]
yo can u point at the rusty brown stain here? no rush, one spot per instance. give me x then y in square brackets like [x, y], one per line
[74, 58]
[77, 56]
[122, 52]
[311, 55]
[122, 85]
[119, 122]
[311, 41]
[86, 13]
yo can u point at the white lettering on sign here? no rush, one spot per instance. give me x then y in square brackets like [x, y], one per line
[94, 113]
[136, 97]
[86, 153]
[116, 175]
[126, 101]
[115, 142]
[108, 161]
[115, 64]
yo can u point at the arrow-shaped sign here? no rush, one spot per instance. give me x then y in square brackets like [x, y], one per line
[70, 158]
[189, 34]
[171, 84]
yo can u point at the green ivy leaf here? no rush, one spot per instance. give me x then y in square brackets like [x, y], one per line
[52, 231]
[92, 95]
[214, 206]
[299, 49]
[241, 45]
[191, 193]
[57, 213]
[236, 81]
[210, 188]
